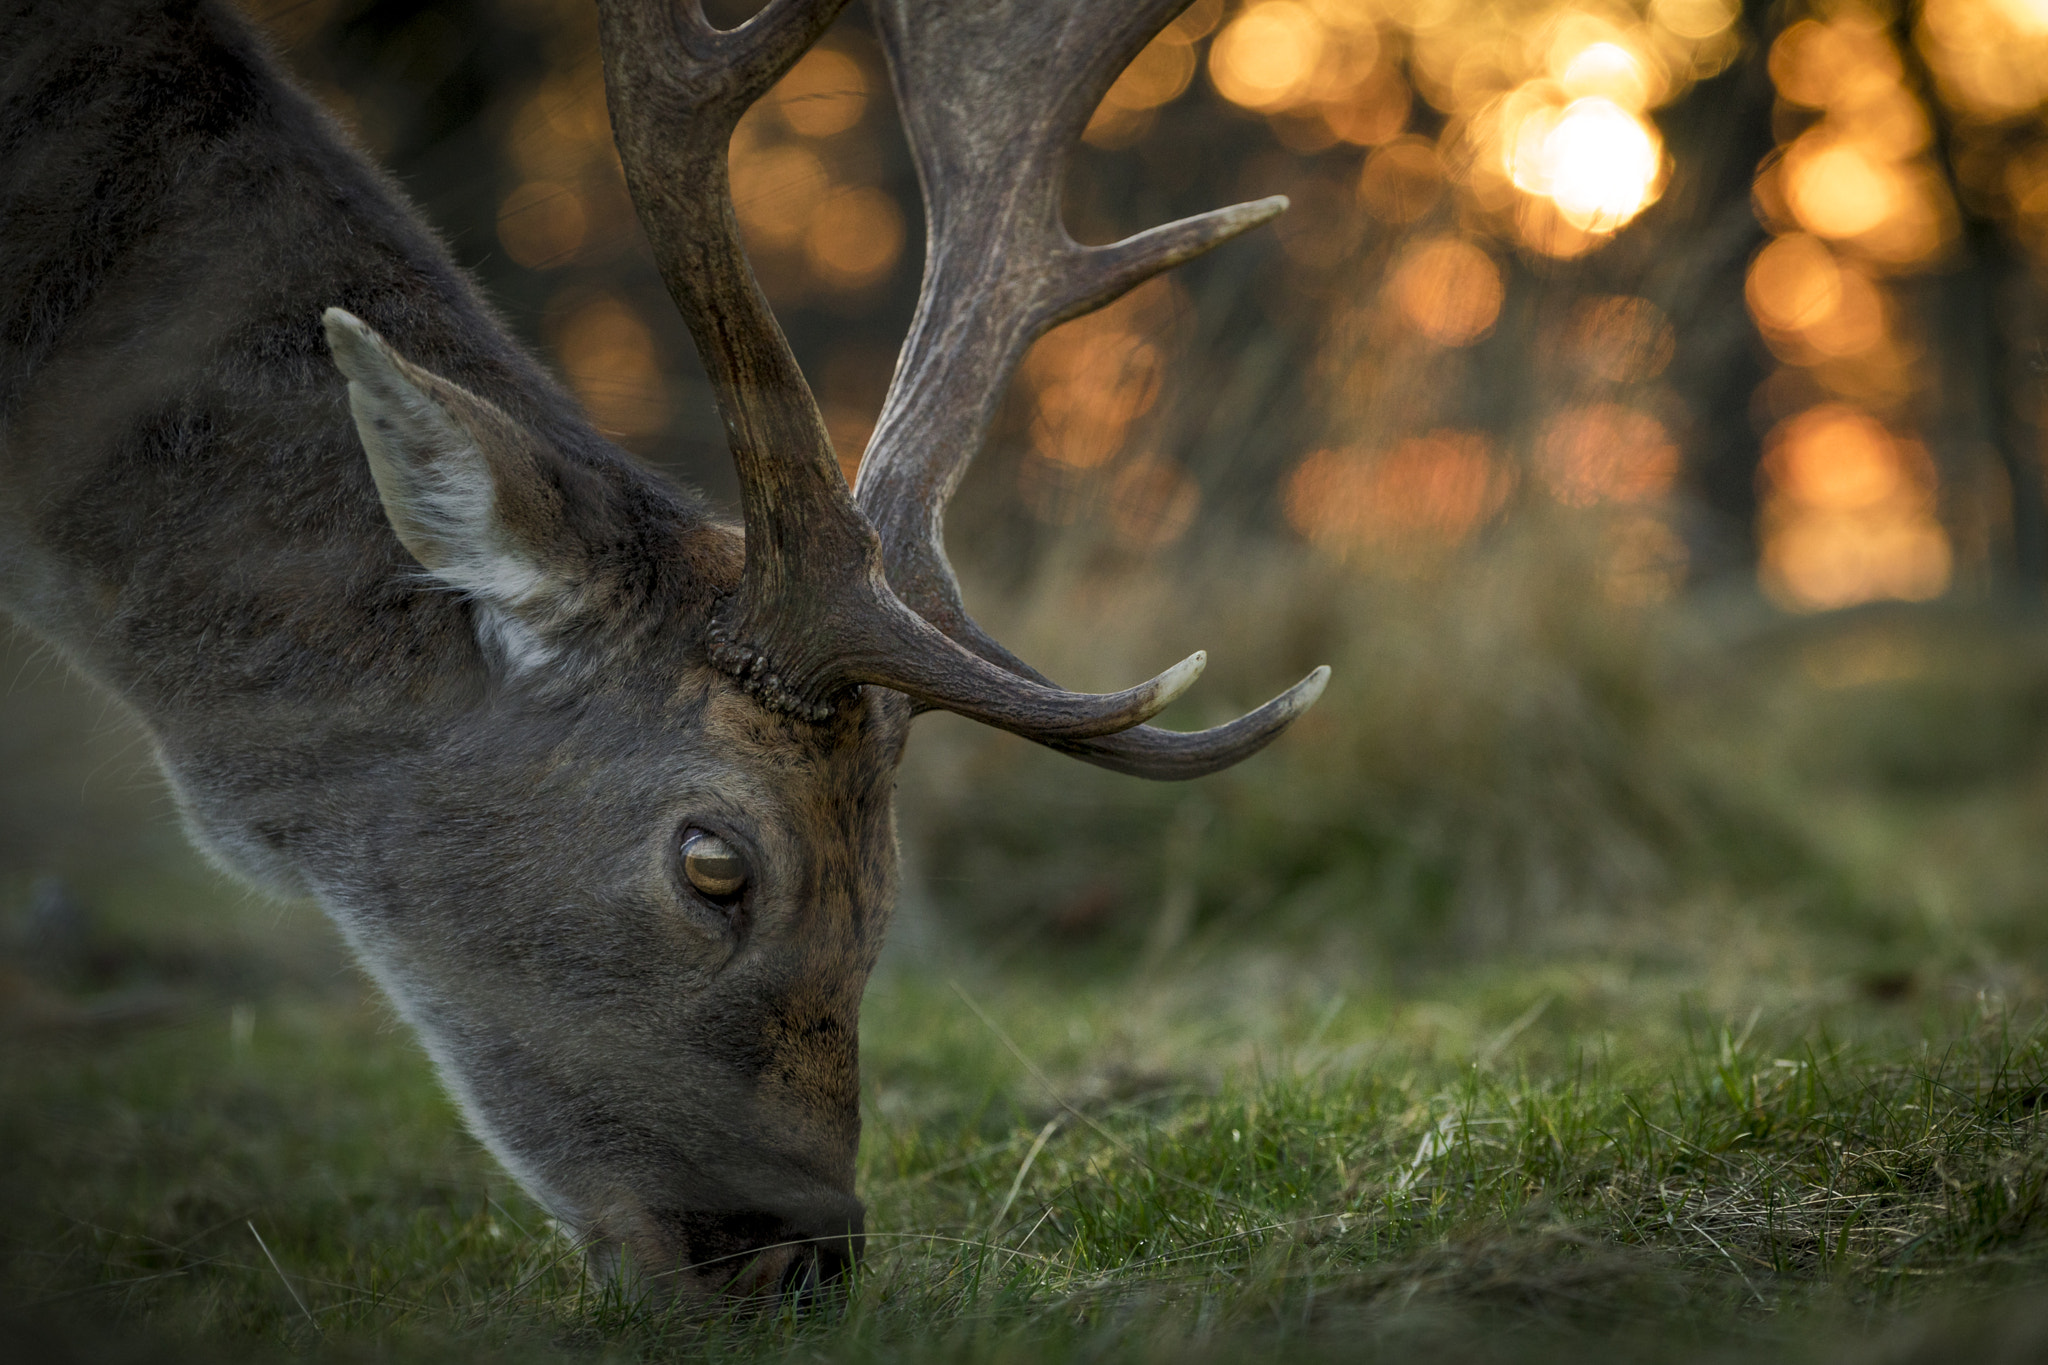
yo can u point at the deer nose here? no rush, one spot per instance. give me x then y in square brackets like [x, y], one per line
[829, 1239]
[799, 1254]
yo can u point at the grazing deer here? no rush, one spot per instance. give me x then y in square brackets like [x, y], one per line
[596, 787]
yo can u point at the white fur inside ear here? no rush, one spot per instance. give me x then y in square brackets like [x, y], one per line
[437, 490]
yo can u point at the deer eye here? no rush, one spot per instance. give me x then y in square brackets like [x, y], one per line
[713, 866]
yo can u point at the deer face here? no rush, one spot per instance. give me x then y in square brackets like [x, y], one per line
[674, 1074]
[637, 909]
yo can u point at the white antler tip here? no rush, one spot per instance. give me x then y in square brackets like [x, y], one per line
[1308, 689]
[1181, 676]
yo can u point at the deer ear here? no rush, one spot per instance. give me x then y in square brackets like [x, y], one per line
[463, 488]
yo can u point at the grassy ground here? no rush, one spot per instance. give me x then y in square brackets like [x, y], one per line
[1662, 984]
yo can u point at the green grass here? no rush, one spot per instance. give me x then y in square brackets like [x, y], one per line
[1053, 1169]
[1638, 987]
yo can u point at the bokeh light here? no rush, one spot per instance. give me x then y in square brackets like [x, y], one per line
[542, 224]
[854, 238]
[1838, 188]
[1849, 513]
[1859, 176]
[1402, 181]
[1621, 338]
[1695, 20]
[808, 225]
[1266, 57]
[1794, 283]
[562, 128]
[1092, 378]
[1426, 492]
[776, 190]
[1448, 290]
[824, 94]
[1426, 145]
[610, 360]
[1608, 70]
[1989, 57]
[1598, 162]
[1604, 452]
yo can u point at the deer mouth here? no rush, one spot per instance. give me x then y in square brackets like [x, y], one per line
[801, 1259]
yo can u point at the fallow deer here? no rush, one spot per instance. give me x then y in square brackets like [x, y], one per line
[596, 787]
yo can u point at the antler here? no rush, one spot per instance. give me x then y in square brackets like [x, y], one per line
[814, 614]
[994, 95]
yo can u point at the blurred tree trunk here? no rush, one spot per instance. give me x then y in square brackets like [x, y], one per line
[1978, 404]
[1717, 137]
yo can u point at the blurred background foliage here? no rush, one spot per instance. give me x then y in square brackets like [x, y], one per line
[1620, 372]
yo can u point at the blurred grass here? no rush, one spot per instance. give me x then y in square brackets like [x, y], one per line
[1664, 982]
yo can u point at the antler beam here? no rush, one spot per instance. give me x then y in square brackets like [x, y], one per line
[994, 95]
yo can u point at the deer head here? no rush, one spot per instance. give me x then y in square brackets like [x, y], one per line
[653, 1024]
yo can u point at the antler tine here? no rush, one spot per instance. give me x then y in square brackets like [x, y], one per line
[814, 615]
[994, 96]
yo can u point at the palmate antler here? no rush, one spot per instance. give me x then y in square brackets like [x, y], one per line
[842, 588]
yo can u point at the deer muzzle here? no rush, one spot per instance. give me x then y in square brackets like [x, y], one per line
[794, 1256]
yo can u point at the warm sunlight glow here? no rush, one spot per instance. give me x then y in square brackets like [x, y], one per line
[1838, 188]
[1990, 57]
[1402, 181]
[1836, 459]
[1090, 380]
[1599, 163]
[1266, 57]
[1448, 290]
[1794, 283]
[824, 94]
[1373, 111]
[1849, 513]
[562, 129]
[608, 355]
[1861, 176]
[1158, 75]
[1427, 491]
[1695, 19]
[1604, 452]
[776, 190]
[854, 238]
[1609, 71]
[1810, 306]
[2028, 16]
